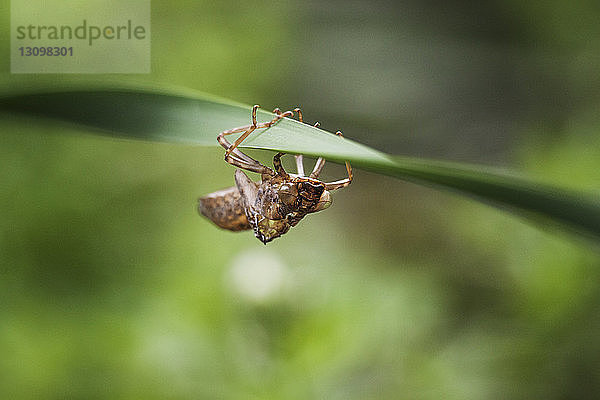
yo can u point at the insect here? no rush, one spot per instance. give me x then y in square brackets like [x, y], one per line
[279, 201]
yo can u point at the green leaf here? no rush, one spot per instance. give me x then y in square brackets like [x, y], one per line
[195, 118]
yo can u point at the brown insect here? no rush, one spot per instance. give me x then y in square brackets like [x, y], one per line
[277, 203]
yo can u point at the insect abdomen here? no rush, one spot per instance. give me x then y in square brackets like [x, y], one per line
[225, 208]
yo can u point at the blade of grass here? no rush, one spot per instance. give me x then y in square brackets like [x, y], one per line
[195, 118]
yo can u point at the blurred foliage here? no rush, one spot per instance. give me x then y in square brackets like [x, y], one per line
[112, 287]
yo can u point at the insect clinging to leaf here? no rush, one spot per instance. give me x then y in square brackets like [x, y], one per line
[280, 200]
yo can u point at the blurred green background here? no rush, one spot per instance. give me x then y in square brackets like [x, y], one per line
[112, 287]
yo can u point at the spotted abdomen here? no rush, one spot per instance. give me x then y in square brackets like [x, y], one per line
[225, 208]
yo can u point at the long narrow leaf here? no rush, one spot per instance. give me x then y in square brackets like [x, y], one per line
[197, 118]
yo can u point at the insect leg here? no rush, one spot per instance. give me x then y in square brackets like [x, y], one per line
[298, 157]
[343, 182]
[277, 164]
[277, 118]
[231, 147]
[338, 184]
[299, 111]
[318, 168]
[299, 164]
[319, 164]
[248, 129]
[252, 165]
[234, 156]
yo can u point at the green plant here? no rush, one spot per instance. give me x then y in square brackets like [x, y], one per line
[195, 118]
